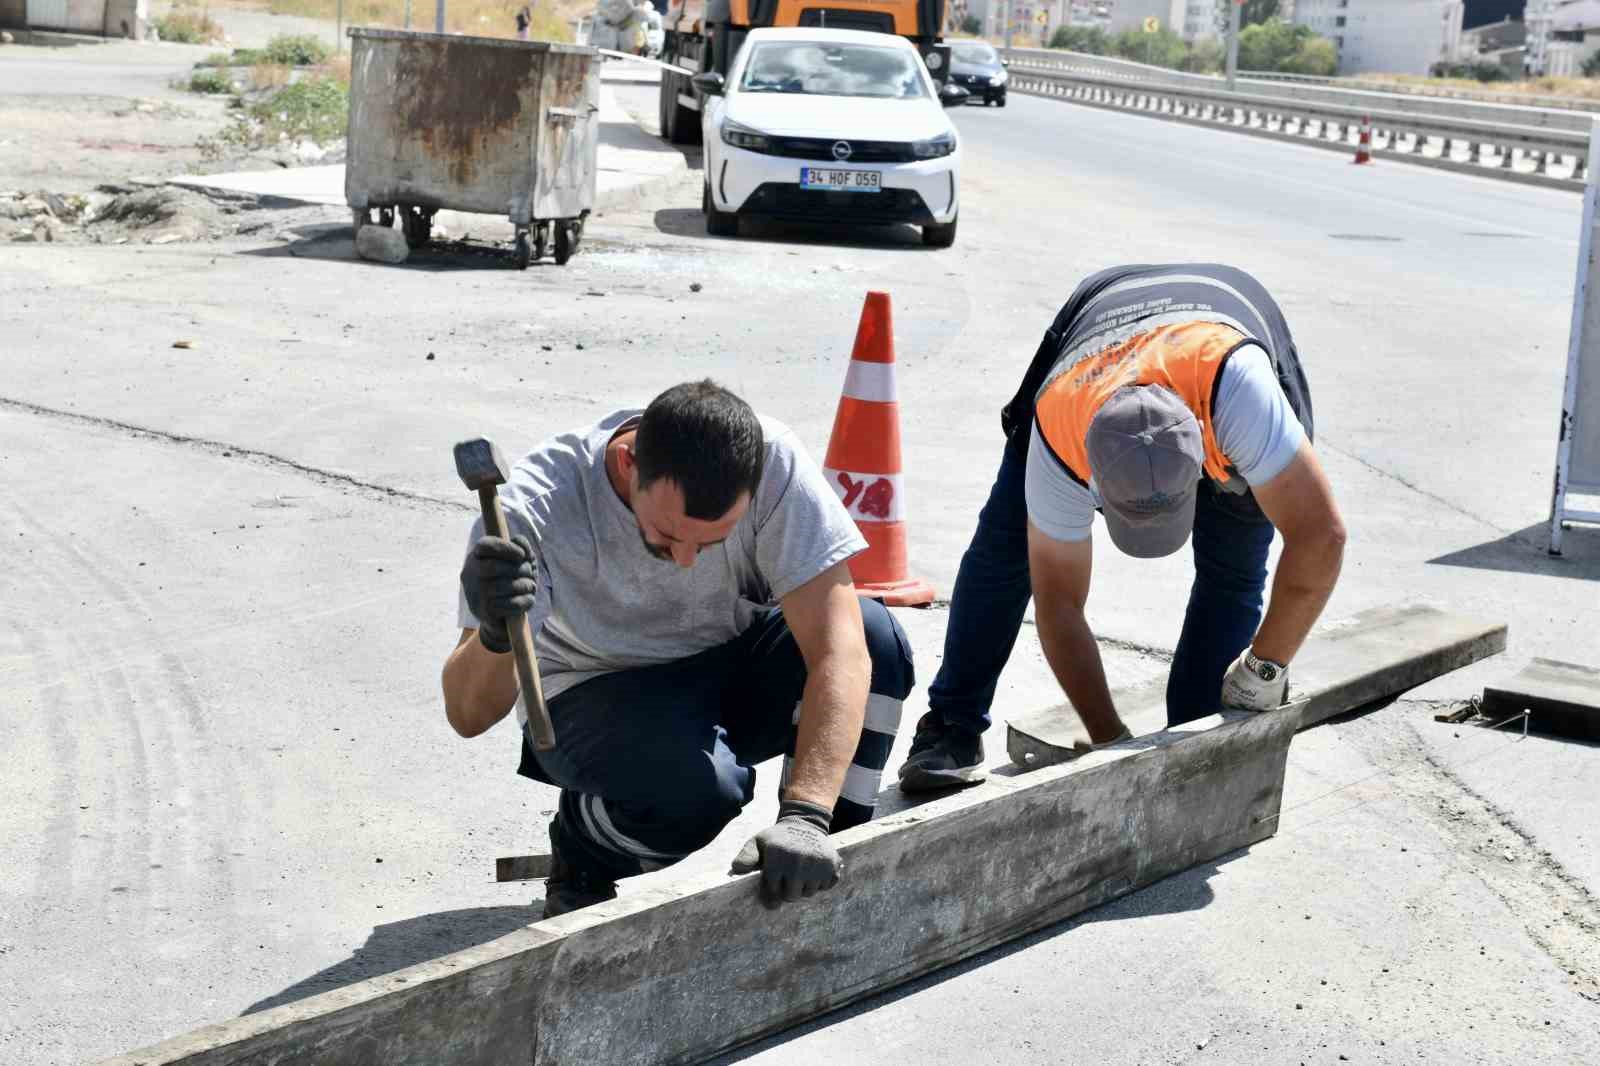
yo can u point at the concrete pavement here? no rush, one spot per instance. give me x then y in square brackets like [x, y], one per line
[215, 748]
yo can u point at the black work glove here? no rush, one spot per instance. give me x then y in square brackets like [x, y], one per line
[795, 856]
[500, 582]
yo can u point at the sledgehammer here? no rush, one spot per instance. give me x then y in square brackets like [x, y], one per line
[481, 467]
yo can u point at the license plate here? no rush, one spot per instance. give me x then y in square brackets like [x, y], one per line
[841, 180]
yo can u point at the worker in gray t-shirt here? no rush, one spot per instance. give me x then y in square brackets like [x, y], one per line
[1170, 398]
[684, 573]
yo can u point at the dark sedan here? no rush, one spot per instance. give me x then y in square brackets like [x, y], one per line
[978, 68]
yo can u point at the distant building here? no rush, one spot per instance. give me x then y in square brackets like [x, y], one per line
[1574, 38]
[1386, 36]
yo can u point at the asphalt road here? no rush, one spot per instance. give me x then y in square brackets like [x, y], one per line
[229, 783]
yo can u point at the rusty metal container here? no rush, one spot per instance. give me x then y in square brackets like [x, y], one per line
[477, 124]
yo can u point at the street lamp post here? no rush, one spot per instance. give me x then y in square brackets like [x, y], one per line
[1233, 41]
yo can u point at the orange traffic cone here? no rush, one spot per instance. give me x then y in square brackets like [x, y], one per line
[1364, 145]
[863, 462]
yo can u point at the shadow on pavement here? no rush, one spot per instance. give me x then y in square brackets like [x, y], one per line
[690, 222]
[332, 241]
[1187, 891]
[1524, 552]
[396, 945]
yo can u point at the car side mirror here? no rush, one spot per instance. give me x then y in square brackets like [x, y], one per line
[953, 95]
[711, 83]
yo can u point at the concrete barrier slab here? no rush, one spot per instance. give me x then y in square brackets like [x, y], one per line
[1344, 665]
[1562, 699]
[677, 976]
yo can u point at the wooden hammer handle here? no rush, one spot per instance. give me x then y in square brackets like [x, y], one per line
[544, 733]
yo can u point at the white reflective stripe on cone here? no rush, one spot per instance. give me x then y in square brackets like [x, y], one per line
[868, 497]
[873, 382]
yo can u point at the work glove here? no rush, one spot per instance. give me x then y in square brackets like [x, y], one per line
[500, 583]
[795, 856]
[1253, 684]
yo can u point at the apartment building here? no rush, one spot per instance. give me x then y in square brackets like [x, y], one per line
[1387, 36]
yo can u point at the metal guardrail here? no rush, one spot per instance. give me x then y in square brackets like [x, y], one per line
[1534, 154]
[1062, 62]
[1439, 92]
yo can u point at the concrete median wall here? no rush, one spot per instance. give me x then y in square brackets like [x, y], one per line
[674, 977]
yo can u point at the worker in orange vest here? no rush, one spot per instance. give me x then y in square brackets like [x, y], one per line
[1172, 400]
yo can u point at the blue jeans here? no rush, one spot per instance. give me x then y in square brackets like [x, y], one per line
[1231, 539]
[653, 762]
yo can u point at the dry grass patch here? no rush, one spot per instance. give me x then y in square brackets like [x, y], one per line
[269, 75]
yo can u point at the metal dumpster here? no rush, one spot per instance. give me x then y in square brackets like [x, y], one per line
[477, 124]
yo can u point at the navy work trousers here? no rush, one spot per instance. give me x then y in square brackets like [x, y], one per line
[1231, 539]
[654, 762]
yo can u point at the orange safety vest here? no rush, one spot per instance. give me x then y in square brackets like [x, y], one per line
[1186, 358]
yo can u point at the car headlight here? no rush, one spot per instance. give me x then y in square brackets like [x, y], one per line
[938, 147]
[998, 79]
[744, 137]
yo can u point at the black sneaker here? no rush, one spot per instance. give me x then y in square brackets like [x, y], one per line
[941, 758]
[568, 888]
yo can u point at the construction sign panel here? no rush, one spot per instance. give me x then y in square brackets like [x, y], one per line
[1578, 439]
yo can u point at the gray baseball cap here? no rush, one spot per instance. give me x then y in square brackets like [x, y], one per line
[1147, 454]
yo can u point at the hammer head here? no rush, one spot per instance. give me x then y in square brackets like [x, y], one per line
[480, 464]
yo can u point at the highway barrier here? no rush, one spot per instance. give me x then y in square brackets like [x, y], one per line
[1518, 144]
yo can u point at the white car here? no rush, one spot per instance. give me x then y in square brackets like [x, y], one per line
[830, 125]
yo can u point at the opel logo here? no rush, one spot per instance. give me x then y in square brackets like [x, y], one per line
[841, 150]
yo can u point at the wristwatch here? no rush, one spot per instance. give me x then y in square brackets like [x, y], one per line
[1265, 669]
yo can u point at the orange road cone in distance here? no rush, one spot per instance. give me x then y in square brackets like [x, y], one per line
[863, 462]
[1364, 145]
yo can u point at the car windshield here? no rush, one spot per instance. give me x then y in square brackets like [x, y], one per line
[818, 68]
[980, 54]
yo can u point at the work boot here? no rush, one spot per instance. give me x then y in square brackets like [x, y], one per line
[569, 888]
[942, 757]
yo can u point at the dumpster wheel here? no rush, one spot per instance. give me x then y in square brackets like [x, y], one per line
[568, 234]
[523, 252]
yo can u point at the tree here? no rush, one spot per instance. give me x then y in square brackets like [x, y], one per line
[1268, 45]
[971, 25]
[1591, 66]
[1206, 56]
[1090, 39]
[1316, 56]
[1162, 48]
[1254, 12]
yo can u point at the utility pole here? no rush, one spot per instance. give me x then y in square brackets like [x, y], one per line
[1010, 15]
[1233, 41]
[438, 17]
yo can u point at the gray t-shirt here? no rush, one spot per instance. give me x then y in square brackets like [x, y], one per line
[606, 604]
[1256, 429]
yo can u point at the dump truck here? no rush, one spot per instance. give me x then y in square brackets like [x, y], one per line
[705, 35]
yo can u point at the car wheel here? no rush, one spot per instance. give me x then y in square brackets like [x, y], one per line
[1002, 101]
[937, 236]
[718, 223]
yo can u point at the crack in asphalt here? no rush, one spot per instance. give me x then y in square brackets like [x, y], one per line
[223, 450]
[1391, 476]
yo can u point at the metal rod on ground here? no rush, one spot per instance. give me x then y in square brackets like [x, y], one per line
[1233, 42]
[1524, 715]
